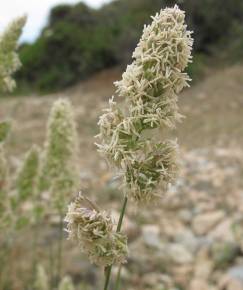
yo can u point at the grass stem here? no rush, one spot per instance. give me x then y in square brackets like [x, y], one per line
[118, 277]
[60, 249]
[109, 268]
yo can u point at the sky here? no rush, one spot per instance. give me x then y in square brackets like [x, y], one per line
[37, 11]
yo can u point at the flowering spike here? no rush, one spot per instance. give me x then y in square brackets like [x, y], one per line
[9, 60]
[149, 87]
[151, 170]
[26, 183]
[94, 232]
[41, 282]
[59, 172]
[66, 284]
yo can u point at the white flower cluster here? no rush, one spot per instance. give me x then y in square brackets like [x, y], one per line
[94, 232]
[149, 86]
[9, 60]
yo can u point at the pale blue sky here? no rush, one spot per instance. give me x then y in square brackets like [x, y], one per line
[37, 11]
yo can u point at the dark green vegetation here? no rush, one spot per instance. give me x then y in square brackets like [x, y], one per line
[79, 41]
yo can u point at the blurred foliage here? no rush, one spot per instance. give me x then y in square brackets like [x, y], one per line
[197, 68]
[28, 174]
[5, 127]
[224, 253]
[79, 40]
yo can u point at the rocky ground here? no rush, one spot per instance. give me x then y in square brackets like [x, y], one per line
[196, 242]
[193, 239]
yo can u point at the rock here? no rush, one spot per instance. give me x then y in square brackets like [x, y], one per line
[138, 254]
[236, 273]
[185, 215]
[178, 254]
[171, 226]
[203, 265]
[233, 280]
[203, 185]
[159, 280]
[224, 253]
[234, 285]
[198, 284]
[174, 200]
[230, 284]
[181, 275]
[205, 206]
[151, 236]
[223, 231]
[188, 240]
[203, 223]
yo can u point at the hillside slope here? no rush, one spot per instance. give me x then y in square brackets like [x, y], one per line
[213, 110]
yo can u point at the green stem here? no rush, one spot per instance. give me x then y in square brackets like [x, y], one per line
[122, 215]
[109, 268]
[118, 277]
[34, 251]
[60, 248]
[51, 264]
[5, 258]
[107, 276]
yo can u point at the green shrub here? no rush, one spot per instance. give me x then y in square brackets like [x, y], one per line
[79, 41]
[197, 67]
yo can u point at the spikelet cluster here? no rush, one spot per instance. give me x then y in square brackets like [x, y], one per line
[66, 284]
[4, 130]
[59, 171]
[93, 230]
[41, 282]
[26, 183]
[153, 167]
[27, 200]
[9, 60]
[149, 87]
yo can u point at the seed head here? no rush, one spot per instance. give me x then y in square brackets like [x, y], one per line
[66, 284]
[59, 170]
[9, 60]
[41, 282]
[149, 87]
[26, 183]
[151, 170]
[93, 230]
